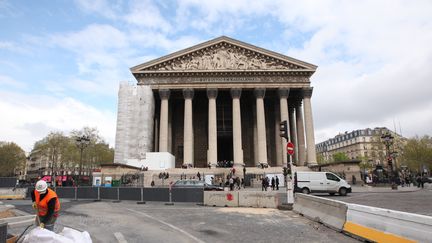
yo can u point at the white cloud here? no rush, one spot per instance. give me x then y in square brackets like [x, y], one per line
[146, 14]
[10, 82]
[155, 39]
[10, 46]
[94, 37]
[28, 118]
[107, 9]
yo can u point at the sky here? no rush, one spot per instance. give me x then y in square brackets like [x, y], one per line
[61, 61]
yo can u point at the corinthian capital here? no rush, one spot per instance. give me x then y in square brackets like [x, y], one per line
[283, 92]
[212, 93]
[188, 93]
[236, 93]
[307, 92]
[259, 92]
[164, 93]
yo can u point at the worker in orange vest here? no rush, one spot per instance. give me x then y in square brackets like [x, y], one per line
[47, 204]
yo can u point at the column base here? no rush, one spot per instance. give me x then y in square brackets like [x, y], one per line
[211, 165]
[309, 164]
[238, 165]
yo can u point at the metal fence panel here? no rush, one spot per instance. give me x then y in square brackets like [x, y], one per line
[156, 194]
[8, 181]
[130, 193]
[87, 193]
[3, 232]
[29, 190]
[188, 195]
[65, 192]
[108, 193]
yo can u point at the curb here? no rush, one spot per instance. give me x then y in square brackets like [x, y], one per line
[388, 191]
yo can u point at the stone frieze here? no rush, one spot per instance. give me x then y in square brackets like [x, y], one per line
[223, 56]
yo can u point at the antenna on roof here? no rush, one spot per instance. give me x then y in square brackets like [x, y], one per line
[400, 128]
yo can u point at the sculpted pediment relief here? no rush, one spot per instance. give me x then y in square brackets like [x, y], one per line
[223, 54]
[224, 57]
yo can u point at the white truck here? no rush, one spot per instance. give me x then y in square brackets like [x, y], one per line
[319, 182]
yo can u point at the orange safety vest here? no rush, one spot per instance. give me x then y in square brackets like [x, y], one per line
[43, 204]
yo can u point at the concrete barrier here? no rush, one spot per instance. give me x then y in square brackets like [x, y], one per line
[11, 193]
[329, 212]
[384, 225]
[221, 199]
[258, 199]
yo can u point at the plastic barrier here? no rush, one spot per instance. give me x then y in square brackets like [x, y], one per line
[221, 199]
[258, 199]
[384, 225]
[11, 193]
[329, 212]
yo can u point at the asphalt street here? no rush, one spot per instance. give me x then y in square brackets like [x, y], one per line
[184, 222]
[419, 202]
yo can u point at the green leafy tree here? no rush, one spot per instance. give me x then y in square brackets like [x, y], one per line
[97, 151]
[340, 157]
[12, 157]
[55, 147]
[418, 152]
[320, 159]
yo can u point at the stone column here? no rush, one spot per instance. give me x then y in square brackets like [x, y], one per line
[261, 126]
[212, 128]
[310, 137]
[237, 136]
[255, 136]
[283, 96]
[293, 132]
[278, 145]
[188, 160]
[163, 126]
[300, 133]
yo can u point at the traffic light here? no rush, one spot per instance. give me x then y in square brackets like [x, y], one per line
[390, 162]
[283, 128]
[286, 171]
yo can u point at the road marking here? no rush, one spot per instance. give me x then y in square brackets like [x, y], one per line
[169, 225]
[120, 238]
[373, 234]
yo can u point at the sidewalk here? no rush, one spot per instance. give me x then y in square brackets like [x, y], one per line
[371, 189]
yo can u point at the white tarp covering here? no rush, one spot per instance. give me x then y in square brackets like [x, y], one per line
[68, 235]
[134, 135]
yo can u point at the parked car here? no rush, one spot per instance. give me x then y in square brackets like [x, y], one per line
[307, 182]
[196, 184]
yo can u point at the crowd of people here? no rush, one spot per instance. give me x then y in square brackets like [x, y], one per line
[402, 178]
[266, 183]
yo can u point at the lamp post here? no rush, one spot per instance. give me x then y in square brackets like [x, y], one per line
[244, 176]
[82, 142]
[388, 141]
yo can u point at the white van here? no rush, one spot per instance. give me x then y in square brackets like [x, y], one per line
[307, 182]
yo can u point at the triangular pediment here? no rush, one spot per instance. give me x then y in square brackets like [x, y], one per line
[223, 54]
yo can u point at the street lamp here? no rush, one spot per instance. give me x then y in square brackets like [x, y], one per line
[82, 142]
[388, 141]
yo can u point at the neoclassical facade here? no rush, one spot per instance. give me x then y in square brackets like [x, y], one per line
[220, 100]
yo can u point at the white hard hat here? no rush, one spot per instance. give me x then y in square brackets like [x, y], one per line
[41, 186]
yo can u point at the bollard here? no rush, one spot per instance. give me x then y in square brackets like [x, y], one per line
[142, 197]
[118, 195]
[98, 196]
[170, 195]
[76, 199]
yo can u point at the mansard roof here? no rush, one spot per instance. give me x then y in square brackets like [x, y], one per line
[223, 54]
